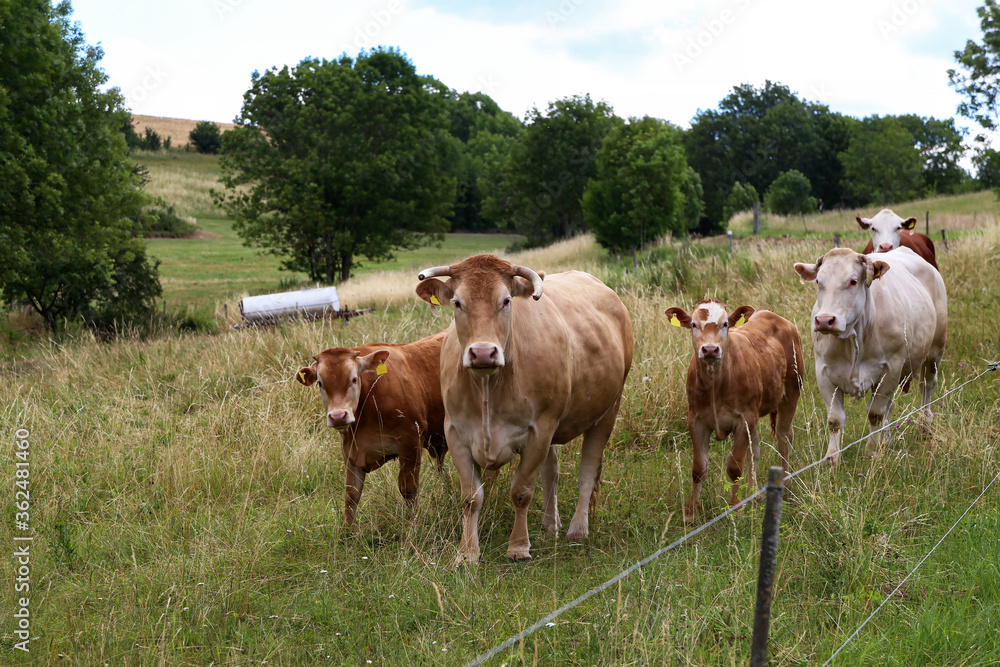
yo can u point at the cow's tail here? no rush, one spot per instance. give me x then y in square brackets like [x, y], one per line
[774, 423]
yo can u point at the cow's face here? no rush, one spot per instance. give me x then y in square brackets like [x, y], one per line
[709, 324]
[342, 376]
[886, 229]
[843, 278]
[481, 291]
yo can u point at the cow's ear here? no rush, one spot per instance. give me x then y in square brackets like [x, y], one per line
[806, 271]
[678, 318]
[434, 292]
[878, 270]
[375, 362]
[307, 375]
[740, 316]
[864, 223]
[909, 223]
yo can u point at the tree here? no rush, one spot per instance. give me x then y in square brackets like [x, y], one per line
[881, 164]
[987, 163]
[978, 76]
[741, 198]
[757, 134]
[637, 193]
[789, 193]
[539, 188]
[940, 145]
[694, 199]
[332, 160]
[70, 198]
[206, 137]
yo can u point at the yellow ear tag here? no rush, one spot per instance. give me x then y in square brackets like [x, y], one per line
[434, 300]
[381, 369]
[676, 322]
[740, 321]
[302, 377]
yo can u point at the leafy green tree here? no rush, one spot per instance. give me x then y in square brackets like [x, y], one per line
[206, 137]
[152, 141]
[486, 132]
[637, 193]
[882, 165]
[741, 198]
[70, 198]
[694, 199]
[757, 134]
[941, 147]
[538, 190]
[333, 160]
[987, 163]
[789, 193]
[978, 76]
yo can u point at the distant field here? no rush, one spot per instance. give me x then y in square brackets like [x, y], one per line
[177, 129]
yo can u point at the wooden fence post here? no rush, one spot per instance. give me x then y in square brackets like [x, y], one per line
[765, 577]
[944, 239]
[836, 239]
[927, 224]
[729, 233]
[756, 218]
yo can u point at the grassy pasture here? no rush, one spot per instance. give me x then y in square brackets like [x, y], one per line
[187, 501]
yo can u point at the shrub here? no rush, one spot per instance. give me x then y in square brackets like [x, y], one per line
[165, 222]
[790, 193]
[206, 137]
[741, 198]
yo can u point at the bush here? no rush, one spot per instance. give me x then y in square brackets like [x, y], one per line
[165, 223]
[152, 140]
[741, 198]
[790, 193]
[206, 137]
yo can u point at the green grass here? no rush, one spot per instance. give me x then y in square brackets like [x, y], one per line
[187, 502]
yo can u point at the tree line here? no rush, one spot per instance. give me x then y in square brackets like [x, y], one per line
[335, 160]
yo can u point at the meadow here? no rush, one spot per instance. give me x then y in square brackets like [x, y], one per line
[187, 498]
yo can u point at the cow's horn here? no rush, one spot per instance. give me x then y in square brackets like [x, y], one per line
[435, 271]
[536, 282]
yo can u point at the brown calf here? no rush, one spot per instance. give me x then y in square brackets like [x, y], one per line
[386, 402]
[739, 372]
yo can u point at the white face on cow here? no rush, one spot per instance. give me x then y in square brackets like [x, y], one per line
[886, 229]
[481, 290]
[340, 375]
[843, 278]
[709, 324]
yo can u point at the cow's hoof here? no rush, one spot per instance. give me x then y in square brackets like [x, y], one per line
[577, 533]
[465, 560]
[519, 555]
[551, 527]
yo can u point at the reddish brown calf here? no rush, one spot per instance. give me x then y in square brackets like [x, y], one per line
[386, 402]
[745, 365]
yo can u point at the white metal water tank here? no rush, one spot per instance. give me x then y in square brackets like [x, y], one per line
[319, 301]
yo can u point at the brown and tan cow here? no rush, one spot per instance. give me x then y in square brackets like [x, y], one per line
[746, 364]
[891, 231]
[385, 400]
[522, 372]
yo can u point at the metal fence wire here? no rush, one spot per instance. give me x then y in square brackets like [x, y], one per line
[510, 641]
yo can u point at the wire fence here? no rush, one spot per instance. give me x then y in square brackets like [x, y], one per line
[548, 619]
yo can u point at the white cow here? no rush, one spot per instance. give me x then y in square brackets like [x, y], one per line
[878, 321]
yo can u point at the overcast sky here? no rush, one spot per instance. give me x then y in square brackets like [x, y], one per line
[193, 58]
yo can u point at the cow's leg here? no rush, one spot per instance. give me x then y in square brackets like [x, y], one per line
[928, 382]
[783, 433]
[472, 501]
[354, 484]
[409, 473]
[522, 490]
[595, 439]
[742, 451]
[550, 484]
[835, 415]
[700, 436]
[879, 414]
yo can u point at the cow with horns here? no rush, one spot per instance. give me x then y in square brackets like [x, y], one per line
[522, 375]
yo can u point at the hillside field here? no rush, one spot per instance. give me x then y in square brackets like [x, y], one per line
[186, 498]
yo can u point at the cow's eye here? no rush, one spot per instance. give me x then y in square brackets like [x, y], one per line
[458, 306]
[725, 325]
[354, 380]
[506, 302]
[694, 325]
[320, 383]
[854, 281]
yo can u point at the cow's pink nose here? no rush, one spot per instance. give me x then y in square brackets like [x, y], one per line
[710, 351]
[825, 322]
[338, 418]
[483, 355]
[885, 247]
